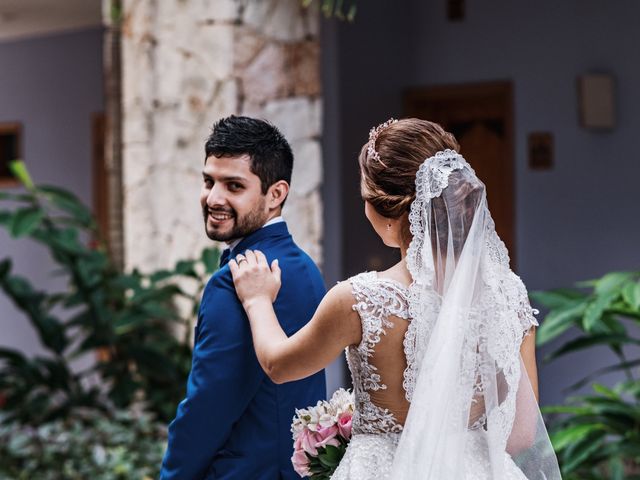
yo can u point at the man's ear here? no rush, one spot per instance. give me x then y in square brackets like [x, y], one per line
[277, 194]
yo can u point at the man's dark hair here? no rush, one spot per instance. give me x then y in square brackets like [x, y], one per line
[270, 153]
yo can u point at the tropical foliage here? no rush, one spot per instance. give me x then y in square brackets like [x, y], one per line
[108, 420]
[118, 446]
[341, 9]
[127, 322]
[598, 435]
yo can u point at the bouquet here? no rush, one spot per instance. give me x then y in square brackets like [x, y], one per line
[321, 435]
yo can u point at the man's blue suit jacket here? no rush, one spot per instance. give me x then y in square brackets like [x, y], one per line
[235, 422]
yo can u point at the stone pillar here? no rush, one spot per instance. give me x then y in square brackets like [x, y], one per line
[187, 63]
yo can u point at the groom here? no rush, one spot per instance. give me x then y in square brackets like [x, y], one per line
[235, 422]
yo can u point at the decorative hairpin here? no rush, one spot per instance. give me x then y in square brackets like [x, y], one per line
[373, 136]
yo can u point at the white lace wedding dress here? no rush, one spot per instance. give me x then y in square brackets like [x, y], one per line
[383, 368]
[441, 390]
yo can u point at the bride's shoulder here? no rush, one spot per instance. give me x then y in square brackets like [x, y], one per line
[343, 293]
[345, 288]
[362, 277]
[339, 300]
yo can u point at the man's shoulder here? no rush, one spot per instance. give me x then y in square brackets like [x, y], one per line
[221, 280]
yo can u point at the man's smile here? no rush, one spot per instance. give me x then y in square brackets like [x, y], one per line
[219, 217]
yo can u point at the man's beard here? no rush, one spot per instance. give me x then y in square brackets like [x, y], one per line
[242, 226]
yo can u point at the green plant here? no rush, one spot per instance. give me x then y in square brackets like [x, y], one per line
[91, 444]
[336, 8]
[127, 321]
[597, 436]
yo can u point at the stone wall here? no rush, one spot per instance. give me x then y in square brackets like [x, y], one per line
[187, 63]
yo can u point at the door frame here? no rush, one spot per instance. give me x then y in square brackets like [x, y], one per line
[497, 94]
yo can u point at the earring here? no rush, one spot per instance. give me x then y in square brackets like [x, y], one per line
[388, 226]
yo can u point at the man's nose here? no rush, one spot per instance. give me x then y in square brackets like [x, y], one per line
[216, 197]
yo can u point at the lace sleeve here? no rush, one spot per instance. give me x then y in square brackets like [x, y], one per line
[373, 306]
[526, 313]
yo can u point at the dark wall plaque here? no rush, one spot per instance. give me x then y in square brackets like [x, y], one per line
[540, 150]
[10, 149]
[456, 10]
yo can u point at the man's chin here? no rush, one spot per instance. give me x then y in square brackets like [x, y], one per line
[220, 235]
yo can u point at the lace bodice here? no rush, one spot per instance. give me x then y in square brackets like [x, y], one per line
[381, 304]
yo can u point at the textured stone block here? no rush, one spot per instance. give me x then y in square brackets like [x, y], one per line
[307, 167]
[185, 65]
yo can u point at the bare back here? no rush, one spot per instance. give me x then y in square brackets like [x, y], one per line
[379, 363]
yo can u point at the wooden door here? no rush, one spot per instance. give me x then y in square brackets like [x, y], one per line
[481, 118]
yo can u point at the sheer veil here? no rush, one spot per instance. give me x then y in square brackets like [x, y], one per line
[473, 413]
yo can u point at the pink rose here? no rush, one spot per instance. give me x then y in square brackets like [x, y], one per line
[327, 436]
[300, 463]
[344, 425]
[306, 441]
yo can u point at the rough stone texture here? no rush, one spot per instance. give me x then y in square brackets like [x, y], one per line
[187, 63]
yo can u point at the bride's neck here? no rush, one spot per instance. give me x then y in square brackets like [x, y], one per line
[403, 251]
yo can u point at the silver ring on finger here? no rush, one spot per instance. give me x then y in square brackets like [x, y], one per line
[240, 258]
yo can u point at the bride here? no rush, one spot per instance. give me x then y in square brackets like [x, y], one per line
[441, 346]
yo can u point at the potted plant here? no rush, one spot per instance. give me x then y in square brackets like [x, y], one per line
[597, 435]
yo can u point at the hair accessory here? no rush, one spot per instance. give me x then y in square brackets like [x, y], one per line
[373, 136]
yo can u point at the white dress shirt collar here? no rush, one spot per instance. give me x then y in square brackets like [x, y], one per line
[235, 243]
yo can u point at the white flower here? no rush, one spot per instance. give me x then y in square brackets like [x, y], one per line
[327, 420]
[324, 414]
[342, 401]
[297, 425]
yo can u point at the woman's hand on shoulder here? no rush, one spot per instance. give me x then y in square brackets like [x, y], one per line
[255, 280]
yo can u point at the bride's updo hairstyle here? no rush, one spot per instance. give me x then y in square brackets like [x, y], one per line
[390, 160]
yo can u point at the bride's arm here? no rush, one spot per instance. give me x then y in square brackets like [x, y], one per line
[333, 327]
[528, 355]
[525, 425]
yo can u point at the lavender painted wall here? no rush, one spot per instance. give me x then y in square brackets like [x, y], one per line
[574, 222]
[52, 85]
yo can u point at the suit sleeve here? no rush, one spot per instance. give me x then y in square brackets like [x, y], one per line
[225, 376]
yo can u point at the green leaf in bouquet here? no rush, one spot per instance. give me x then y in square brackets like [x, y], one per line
[329, 456]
